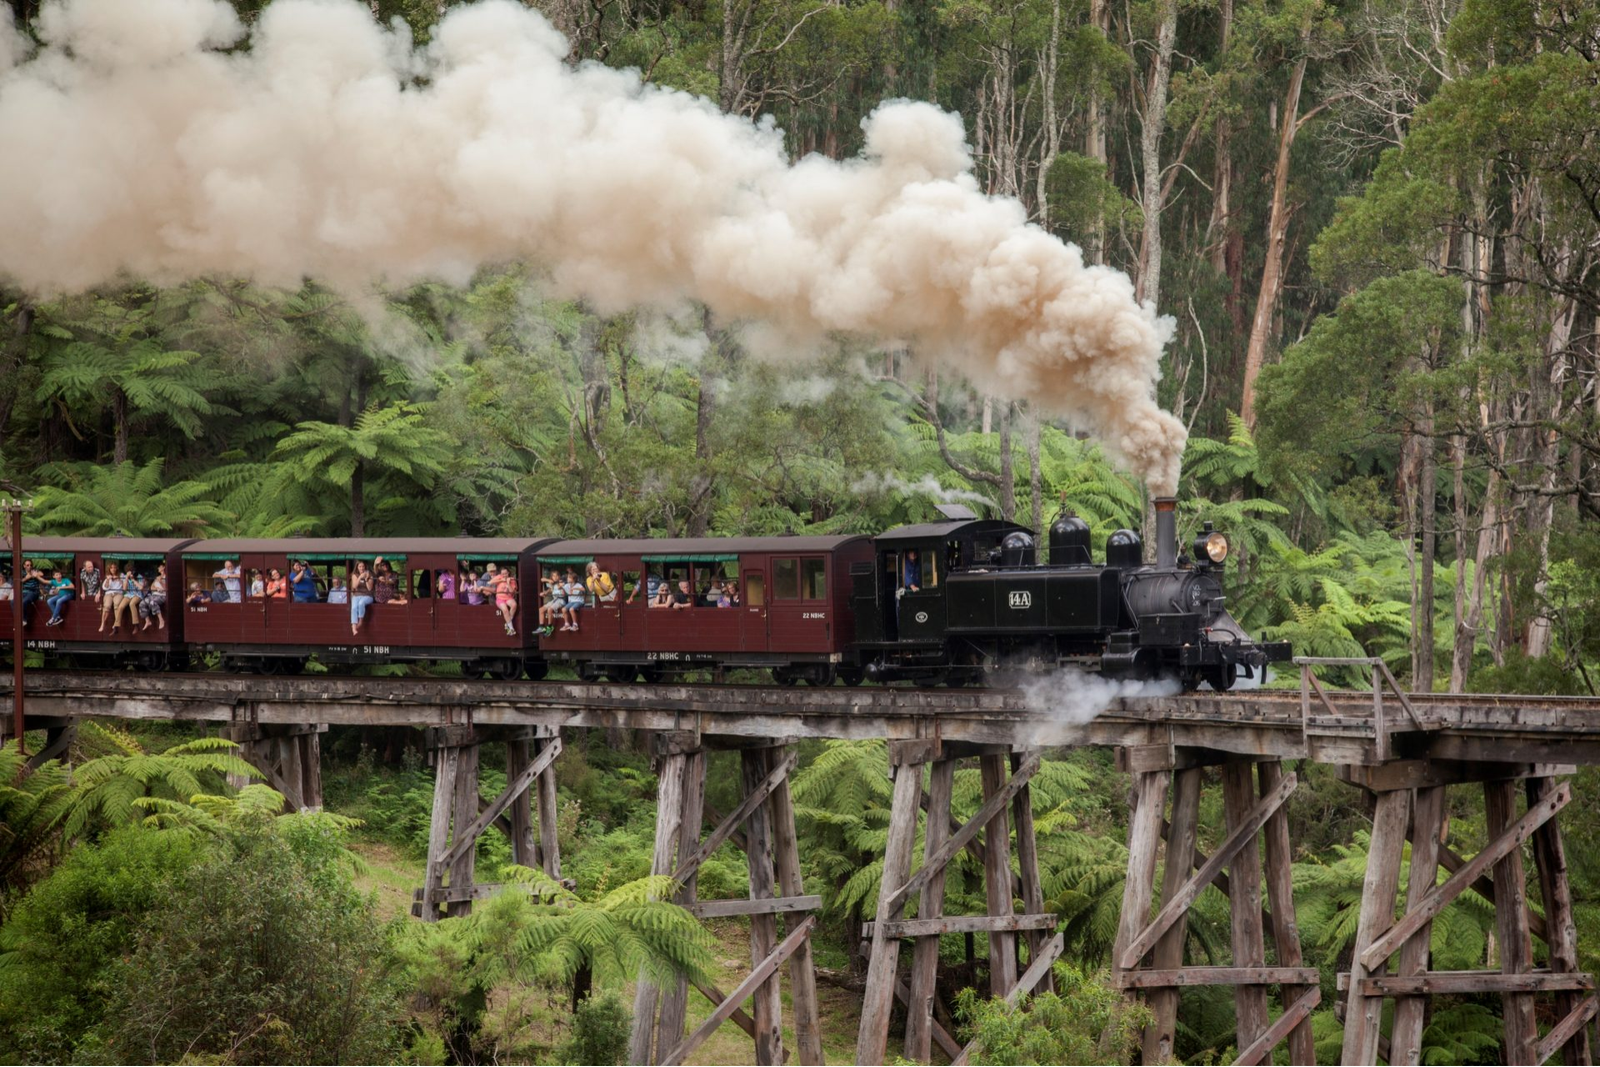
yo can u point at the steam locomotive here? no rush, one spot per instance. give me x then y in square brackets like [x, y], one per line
[943, 603]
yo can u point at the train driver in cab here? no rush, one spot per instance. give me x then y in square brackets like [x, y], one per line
[913, 572]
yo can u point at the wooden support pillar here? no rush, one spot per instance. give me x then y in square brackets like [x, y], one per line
[1149, 800]
[883, 960]
[675, 1001]
[1244, 902]
[444, 791]
[1550, 859]
[1285, 929]
[1511, 923]
[545, 793]
[1429, 829]
[1364, 1014]
[802, 968]
[464, 812]
[524, 852]
[768, 1003]
[997, 879]
[1161, 1035]
[1031, 888]
[673, 767]
[925, 953]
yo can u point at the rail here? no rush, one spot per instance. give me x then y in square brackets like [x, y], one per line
[1381, 677]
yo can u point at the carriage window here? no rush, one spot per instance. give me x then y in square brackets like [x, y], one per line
[813, 579]
[421, 585]
[755, 589]
[785, 579]
[632, 592]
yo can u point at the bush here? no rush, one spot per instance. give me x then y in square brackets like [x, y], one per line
[600, 1031]
[1085, 1021]
[263, 954]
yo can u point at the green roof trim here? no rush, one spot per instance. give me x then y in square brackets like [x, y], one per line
[562, 559]
[487, 557]
[694, 557]
[309, 557]
[133, 555]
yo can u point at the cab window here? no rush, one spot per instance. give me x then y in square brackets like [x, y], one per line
[786, 579]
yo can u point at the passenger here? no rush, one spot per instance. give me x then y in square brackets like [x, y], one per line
[732, 591]
[6, 591]
[59, 593]
[913, 572]
[575, 600]
[383, 590]
[446, 585]
[89, 581]
[505, 600]
[725, 600]
[220, 594]
[32, 588]
[338, 594]
[600, 584]
[132, 597]
[258, 585]
[231, 577]
[663, 598]
[489, 582]
[197, 596]
[714, 593]
[361, 590]
[277, 584]
[652, 587]
[471, 588]
[111, 590]
[682, 598]
[552, 599]
[154, 604]
[303, 583]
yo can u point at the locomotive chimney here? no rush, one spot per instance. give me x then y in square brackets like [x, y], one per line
[1166, 532]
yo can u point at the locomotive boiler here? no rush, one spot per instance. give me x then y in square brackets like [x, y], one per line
[952, 601]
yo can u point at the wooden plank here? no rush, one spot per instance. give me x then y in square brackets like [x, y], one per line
[872, 1040]
[675, 997]
[1025, 985]
[939, 1034]
[545, 795]
[1144, 828]
[1429, 822]
[1550, 859]
[1285, 929]
[1032, 889]
[1160, 1036]
[1501, 846]
[969, 829]
[1363, 1015]
[802, 969]
[1424, 773]
[462, 857]
[444, 792]
[516, 788]
[1483, 885]
[759, 974]
[1511, 914]
[669, 813]
[1244, 903]
[738, 1016]
[768, 1007]
[1295, 1017]
[997, 873]
[1241, 977]
[1573, 1025]
[517, 821]
[961, 924]
[1192, 888]
[920, 1023]
[913, 751]
[974, 847]
[722, 909]
[736, 818]
[1438, 983]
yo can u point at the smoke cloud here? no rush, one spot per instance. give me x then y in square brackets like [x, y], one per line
[1069, 697]
[332, 148]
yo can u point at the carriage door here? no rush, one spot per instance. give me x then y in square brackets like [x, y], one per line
[888, 586]
[753, 605]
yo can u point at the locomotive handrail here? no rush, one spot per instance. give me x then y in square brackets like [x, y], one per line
[1381, 676]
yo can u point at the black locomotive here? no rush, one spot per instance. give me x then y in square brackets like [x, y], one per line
[948, 602]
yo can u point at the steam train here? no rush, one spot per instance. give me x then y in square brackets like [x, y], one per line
[952, 602]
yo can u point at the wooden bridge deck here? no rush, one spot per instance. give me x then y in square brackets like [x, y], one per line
[1269, 723]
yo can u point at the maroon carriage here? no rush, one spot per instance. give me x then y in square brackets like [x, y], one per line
[430, 614]
[90, 633]
[780, 603]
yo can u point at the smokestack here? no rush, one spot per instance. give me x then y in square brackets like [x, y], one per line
[1166, 532]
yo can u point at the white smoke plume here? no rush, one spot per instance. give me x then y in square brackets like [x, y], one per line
[888, 482]
[1067, 697]
[332, 148]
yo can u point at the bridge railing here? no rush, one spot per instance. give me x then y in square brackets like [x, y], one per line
[1382, 678]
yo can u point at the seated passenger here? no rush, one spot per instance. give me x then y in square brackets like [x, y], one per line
[713, 593]
[384, 585]
[89, 581]
[361, 595]
[470, 587]
[575, 601]
[489, 582]
[663, 597]
[337, 593]
[33, 583]
[277, 584]
[682, 598]
[5, 587]
[446, 585]
[59, 592]
[132, 597]
[303, 583]
[197, 596]
[505, 600]
[232, 579]
[731, 589]
[600, 584]
[111, 590]
[552, 598]
[725, 599]
[258, 585]
[652, 587]
[154, 604]
[220, 594]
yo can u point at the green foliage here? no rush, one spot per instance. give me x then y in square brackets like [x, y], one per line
[123, 500]
[601, 1027]
[1084, 1021]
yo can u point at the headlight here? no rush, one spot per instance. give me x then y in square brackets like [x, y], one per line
[1217, 548]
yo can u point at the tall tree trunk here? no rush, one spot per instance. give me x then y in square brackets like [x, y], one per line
[1008, 473]
[1094, 145]
[1155, 122]
[702, 484]
[1051, 141]
[12, 356]
[1427, 505]
[1277, 232]
[358, 500]
[1548, 404]
[119, 419]
[1222, 168]
[1463, 639]
[1035, 472]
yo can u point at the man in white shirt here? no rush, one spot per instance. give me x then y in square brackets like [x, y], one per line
[230, 575]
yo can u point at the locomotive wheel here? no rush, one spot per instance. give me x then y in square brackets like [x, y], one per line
[1221, 677]
[820, 676]
[506, 670]
[587, 672]
[537, 669]
[619, 674]
[852, 676]
[784, 676]
[651, 675]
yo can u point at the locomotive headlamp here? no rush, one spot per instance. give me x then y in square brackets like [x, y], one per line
[1216, 546]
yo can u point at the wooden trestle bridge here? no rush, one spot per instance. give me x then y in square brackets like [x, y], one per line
[1405, 750]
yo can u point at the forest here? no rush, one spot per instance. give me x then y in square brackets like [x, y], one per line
[1374, 228]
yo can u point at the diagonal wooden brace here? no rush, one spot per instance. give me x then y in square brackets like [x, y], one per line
[1185, 897]
[763, 970]
[1566, 1029]
[958, 840]
[1259, 1049]
[736, 818]
[1025, 985]
[468, 838]
[1436, 900]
